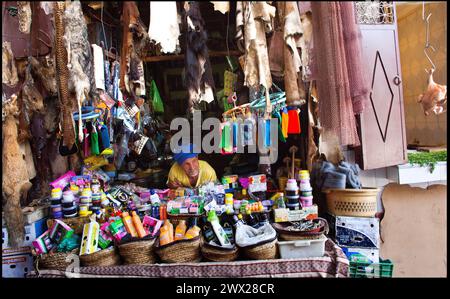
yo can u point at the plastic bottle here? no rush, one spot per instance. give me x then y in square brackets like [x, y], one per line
[180, 231]
[194, 231]
[170, 229]
[280, 201]
[138, 225]
[128, 223]
[218, 229]
[164, 235]
[229, 203]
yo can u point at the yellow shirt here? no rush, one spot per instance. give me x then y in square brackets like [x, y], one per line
[206, 174]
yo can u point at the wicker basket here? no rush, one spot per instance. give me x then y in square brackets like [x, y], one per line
[55, 261]
[105, 257]
[352, 202]
[219, 254]
[138, 252]
[76, 223]
[182, 251]
[266, 250]
[287, 235]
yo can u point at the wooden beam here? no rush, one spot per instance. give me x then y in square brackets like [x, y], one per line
[181, 56]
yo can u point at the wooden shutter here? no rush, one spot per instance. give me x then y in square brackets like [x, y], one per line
[382, 123]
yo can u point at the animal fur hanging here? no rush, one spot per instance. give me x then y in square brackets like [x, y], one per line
[81, 73]
[63, 76]
[24, 13]
[31, 96]
[198, 74]
[434, 99]
[130, 16]
[44, 69]
[9, 70]
[16, 182]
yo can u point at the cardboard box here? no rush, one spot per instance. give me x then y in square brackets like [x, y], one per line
[285, 215]
[373, 254]
[32, 231]
[17, 265]
[257, 183]
[89, 241]
[360, 232]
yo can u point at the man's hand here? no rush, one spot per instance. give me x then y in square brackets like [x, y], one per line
[175, 184]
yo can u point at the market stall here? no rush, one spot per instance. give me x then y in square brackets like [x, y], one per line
[109, 188]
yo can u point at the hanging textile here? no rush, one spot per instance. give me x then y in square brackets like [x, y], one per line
[335, 105]
[164, 29]
[199, 80]
[253, 21]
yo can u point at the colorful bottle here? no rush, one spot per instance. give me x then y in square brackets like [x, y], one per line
[138, 225]
[170, 229]
[180, 231]
[218, 229]
[164, 235]
[194, 231]
[128, 223]
[229, 203]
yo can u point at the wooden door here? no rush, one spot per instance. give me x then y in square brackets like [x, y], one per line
[382, 123]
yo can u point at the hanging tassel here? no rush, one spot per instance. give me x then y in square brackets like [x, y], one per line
[104, 137]
[94, 141]
[294, 121]
[267, 133]
[284, 122]
[277, 115]
[86, 143]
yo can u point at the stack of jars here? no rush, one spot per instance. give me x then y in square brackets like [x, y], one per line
[292, 195]
[69, 205]
[76, 194]
[56, 203]
[96, 196]
[306, 197]
[85, 201]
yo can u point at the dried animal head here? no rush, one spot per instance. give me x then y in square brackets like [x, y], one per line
[141, 41]
[30, 94]
[44, 69]
[9, 70]
[10, 106]
[24, 13]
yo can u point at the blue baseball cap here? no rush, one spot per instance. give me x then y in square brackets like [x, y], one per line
[186, 152]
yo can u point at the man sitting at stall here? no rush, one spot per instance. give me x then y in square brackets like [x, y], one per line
[189, 171]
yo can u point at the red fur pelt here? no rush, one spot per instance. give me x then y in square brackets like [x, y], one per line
[15, 180]
[199, 80]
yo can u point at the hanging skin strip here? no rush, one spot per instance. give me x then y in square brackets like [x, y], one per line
[130, 15]
[62, 76]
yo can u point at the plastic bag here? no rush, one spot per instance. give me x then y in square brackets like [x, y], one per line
[248, 236]
[122, 149]
[158, 105]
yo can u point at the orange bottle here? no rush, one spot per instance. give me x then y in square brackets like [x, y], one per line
[192, 232]
[128, 223]
[170, 229]
[164, 237]
[180, 231]
[138, 225]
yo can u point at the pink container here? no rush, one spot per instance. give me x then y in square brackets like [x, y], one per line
[306, 201]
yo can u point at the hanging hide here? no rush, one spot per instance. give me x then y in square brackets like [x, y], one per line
[59, 165]
[435, 97]
[253, 21]
[44, 69]
[198, 73]
[130, 16]
[63, 77]
[164, 28]
[140, 39]
[81, 72]
[17, 181]
[24, 14]
[24, 131]
[222, 6]
[31, 96]
[9, 70]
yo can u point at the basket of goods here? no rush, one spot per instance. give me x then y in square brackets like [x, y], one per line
[352, 202]
[179, 246]
[216, 253]
[257, 243]
[104, 257]
[138, 251]
[55, 260]
[301, 230]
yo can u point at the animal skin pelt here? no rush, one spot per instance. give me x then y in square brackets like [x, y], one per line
[17, 181]
[31, 96]
[199, 80]
[24, 13]
[9, 70]
[130, 16]
[434, 99]
[81, 72]
[44, 70]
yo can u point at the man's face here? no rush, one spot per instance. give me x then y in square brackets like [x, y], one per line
[191, 167]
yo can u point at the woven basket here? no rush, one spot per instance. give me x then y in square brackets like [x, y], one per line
[55, 261]
[76, 223]
[181, 251]
[287, 235]
[352, 202]
[105, 257]
[266, 250]
[219, 254]
[138, 252]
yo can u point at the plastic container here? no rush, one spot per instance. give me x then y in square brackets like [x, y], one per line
[360, 269]
[306, 193]
[291, 188]
[303, 174]
[305, 185]
[306, 201]
[138, 225]
[128, 223]
[56, 193]
[352, 202]
[180, 230]
[302, 248]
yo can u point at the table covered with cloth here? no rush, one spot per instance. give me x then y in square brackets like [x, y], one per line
[333, 264]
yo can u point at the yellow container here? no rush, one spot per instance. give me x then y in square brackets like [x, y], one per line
[352, 202]
[282, 183]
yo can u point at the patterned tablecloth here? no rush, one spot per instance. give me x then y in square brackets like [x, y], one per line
[333, 264]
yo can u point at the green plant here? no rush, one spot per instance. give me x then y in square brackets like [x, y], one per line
[429, 159]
